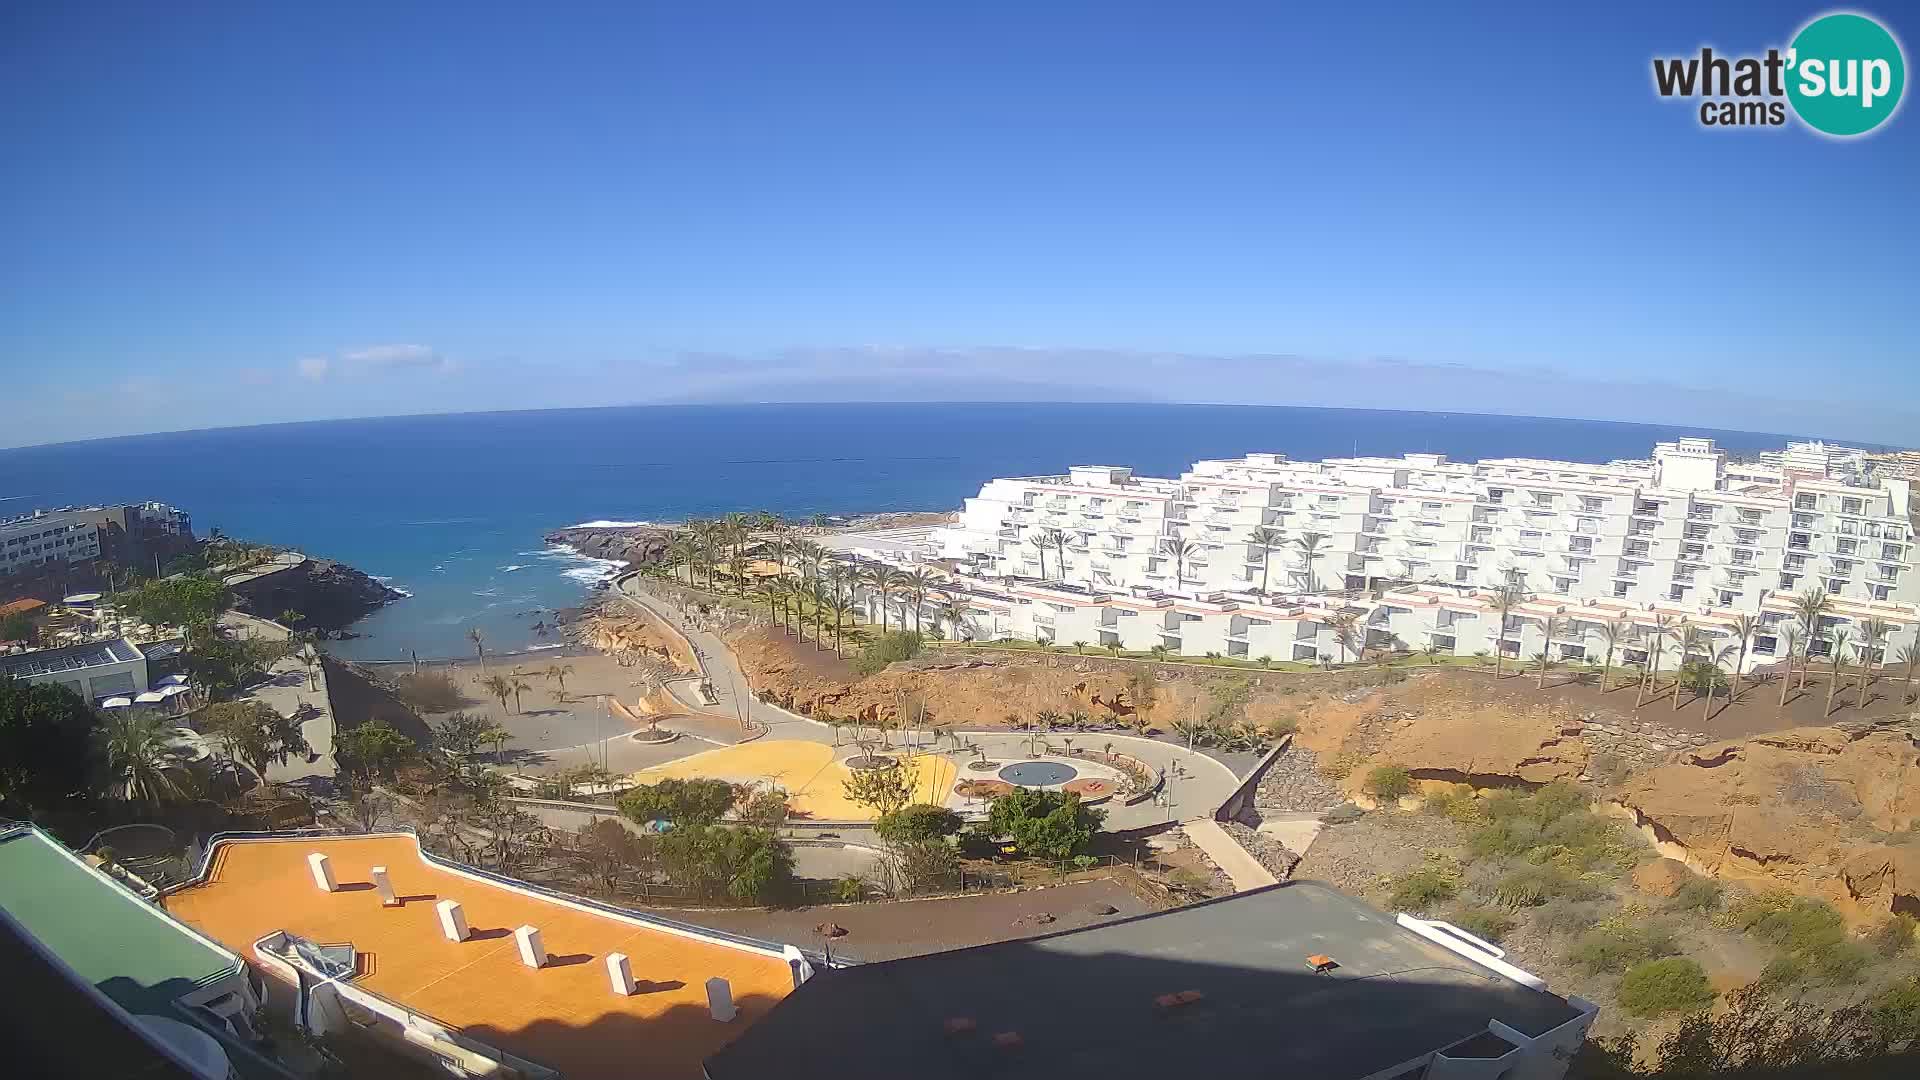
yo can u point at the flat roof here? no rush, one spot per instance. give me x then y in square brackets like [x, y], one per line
[1083, 1002]
[128, 948]
[71, 658]
[562, 1016]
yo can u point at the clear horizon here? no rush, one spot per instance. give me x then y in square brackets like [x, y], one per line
[234, 215]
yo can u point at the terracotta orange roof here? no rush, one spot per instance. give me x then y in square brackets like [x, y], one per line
[17, 607]
[563, 1016]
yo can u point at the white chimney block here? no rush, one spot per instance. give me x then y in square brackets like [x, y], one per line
[322, 872]
[532, 952]
[383, 885]
[720, 999]
[620, 974]
[797, 961]
[453, 919]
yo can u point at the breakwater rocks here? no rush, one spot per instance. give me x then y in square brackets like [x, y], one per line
[631, 544]
[328, 595]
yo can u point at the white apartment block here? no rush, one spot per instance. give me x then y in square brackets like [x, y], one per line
[1410, 547]
[65, 535]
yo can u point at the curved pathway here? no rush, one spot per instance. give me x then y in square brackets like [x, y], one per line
[1196, 784]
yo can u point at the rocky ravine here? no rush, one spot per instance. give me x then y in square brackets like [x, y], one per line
[633, 545]
[1824, 811]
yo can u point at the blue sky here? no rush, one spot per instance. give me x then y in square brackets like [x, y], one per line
[221, 214]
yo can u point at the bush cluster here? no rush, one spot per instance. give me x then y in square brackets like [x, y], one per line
[889, 648]
[1388, 782]
[1422, 889]
[1668, 985]
[1809, 935]
[1620, 943]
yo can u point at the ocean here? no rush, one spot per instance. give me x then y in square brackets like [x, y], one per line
[451, 509]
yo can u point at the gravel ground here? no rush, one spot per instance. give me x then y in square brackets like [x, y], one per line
[1294, 783]
[1267, 851]
[1359, 857]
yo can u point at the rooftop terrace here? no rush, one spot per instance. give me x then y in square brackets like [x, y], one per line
[72, 658]
[1094, 1002]
[562, 1016]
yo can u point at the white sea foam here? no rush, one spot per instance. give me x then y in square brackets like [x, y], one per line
[611, 525]
[511, 567]
[537, 648]
[408, 593]
[584, 568]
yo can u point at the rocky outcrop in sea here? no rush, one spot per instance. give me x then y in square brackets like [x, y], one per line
[328, 595]
[631, 544]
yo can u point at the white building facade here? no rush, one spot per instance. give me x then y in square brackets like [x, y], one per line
[1412, 547]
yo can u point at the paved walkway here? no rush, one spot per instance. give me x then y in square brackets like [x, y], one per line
[1226, 853]
[286, 690]
[1196, 784]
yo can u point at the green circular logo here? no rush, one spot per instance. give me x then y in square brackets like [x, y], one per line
[1845, 73]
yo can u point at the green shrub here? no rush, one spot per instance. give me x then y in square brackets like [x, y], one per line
[1794, 923]
[698, 801]
[1565, 917]
[1838, 962]
[1618, 944]
[1698, 894]
[1895, 1014]
[1669, 985]
[1531, 886]
[1504, 836]
[1490, 924]
[889, 648]
[850, 889]
[1784, 970]
[920, 821]
[1388, 782]
[745, 864]
[1421, 889]
[1047, 824]
[1894, 935]
[1457, 803]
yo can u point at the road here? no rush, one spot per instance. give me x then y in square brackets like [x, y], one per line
[1196, 784]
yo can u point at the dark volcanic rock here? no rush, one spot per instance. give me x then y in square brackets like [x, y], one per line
[328, 595]
[633, 546]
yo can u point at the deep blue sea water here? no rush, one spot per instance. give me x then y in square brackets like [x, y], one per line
[443, 506]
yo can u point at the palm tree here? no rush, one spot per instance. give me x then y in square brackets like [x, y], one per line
[1692, 640]
[1181, 551]
[1060, 539]
[498, 687]
[953, 608]
[1790, 636]
[519, 686]
[557, 674]
[1614, 632]
[822, 599]
[916, 584]
[1656, 644]
[884, 580]
[479, 646]
[1551, 627]
[837, 603]
[681, 549]
[1308, 544]
[1712, 674]
[1907, 656]
[1744, 627]
[1504, 601]
[737, 525]
[1266, 540]
[1039, 542]
[1872, 632]
[1343, 624]
[769, 592]
[1838, 638]
[141, 766]
[1810, 606]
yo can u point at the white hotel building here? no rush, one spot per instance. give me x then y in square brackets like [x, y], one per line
[1411, 546]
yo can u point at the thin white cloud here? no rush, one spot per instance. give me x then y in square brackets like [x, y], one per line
[374, 360]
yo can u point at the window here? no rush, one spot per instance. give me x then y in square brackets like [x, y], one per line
[1750, 517]
[1677, 592]
[1846, 547]
[1843, 566]
[1580, 543]
[1694, 552]
[1619, 588]
[1697, 531]
[1589, 502]
[1788, 581]
[1643, 528]
[1883, 592]
[1799, 540]
[1834, 585]
[1460, 573]
[1846, 528]
[1430, 506]
[1495, 494]
[1544, 498]
[1796, 562]
[1888, 573]
[1765, 645]
[1638, 547]
[1890, 551]
[1805, 502]
[1726, 598]
[1563, 584]
[1850, 506]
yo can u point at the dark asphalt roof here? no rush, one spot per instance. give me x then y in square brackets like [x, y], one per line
[1083, 1002]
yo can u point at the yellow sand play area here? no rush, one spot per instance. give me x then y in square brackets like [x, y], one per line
[807, 770]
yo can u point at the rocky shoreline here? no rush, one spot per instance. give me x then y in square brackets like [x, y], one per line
[329, 595]
[634, 545]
